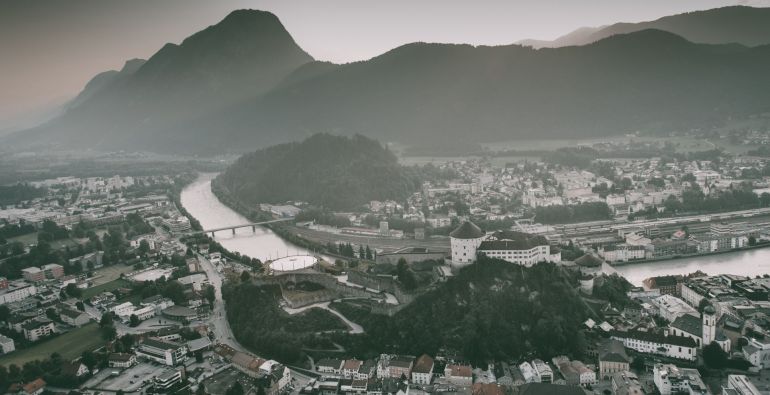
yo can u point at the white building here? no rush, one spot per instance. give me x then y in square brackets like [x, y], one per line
[464, 241]
[519, 248]
[161, 351]
[123, 310]
[529, 373]
[422, 371]
[16, 291]
[543, 371]
[650, 343]
[459, 374]
[758, 352]
[670, 307]
[670, 379]
[6, 345]
[35, 329]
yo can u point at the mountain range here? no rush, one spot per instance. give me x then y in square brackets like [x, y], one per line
[737, 24]
[244, 83]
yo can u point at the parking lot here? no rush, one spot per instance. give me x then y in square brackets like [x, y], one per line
[219, 383]
[129, 380]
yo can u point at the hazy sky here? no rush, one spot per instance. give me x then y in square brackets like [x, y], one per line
[50, 48]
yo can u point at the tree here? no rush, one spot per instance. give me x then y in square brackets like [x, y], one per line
[106, 320]
[5, 313]
[52, 314]
[210, 294]
[80, 306]
[714, 356]
[369, 255]
[89, 359]
[405, 276]
[235, 389]
[144, 247]
[134, 320]
[245, 276]
[73, 291]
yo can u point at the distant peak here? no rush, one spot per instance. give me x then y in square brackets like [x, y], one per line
[132, 65]
[249, 15]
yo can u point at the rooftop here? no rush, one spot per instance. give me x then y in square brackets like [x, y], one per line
[468, 230]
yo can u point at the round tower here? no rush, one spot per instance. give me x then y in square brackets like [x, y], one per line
[709, 317]
[464, 241]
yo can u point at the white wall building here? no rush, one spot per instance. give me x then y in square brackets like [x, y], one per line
[464, 241]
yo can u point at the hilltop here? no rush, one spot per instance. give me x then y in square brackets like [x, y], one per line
[331, 171]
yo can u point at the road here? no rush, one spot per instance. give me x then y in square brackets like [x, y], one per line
[354, 328]
[218, 320]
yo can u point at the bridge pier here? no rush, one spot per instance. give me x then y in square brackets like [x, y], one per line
[253, 229]
[233, 231]
[212, 235]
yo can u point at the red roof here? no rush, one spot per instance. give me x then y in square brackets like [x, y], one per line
[424, 364]
[34, 386]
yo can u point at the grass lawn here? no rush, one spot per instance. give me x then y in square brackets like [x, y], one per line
[112, 285]
[69, 345]
[110, 273]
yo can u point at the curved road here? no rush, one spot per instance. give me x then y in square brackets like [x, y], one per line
[218, 319]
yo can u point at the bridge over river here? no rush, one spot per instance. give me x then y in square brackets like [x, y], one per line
[252, 225]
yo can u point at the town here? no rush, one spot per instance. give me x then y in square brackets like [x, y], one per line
[111, 286]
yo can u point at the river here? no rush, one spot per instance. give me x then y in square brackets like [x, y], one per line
[263, 244]
[201, 203]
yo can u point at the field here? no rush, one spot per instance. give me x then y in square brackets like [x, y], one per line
[70, 345]
[110, 273]
[109, 286]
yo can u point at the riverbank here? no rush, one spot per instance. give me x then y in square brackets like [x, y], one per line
[225, 197]
[690, 256]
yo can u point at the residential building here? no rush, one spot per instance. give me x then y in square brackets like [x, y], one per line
[350, 368]
[612, 358]
[529, 373]
[33, 274]
[757, 352]
[53, 271]
[16, 291]
[461, 375]
[543, 371]
[329, 366]
[37, 328]
[121, 360]
[74, 317]
[400, 366]
[6, 345]
[35, 387]
[422, 372]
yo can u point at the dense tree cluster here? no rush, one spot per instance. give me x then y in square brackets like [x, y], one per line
[17, 193]
[613, 288]
[259, 323]
[584, 212]
[490, 310]
[330, 171]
